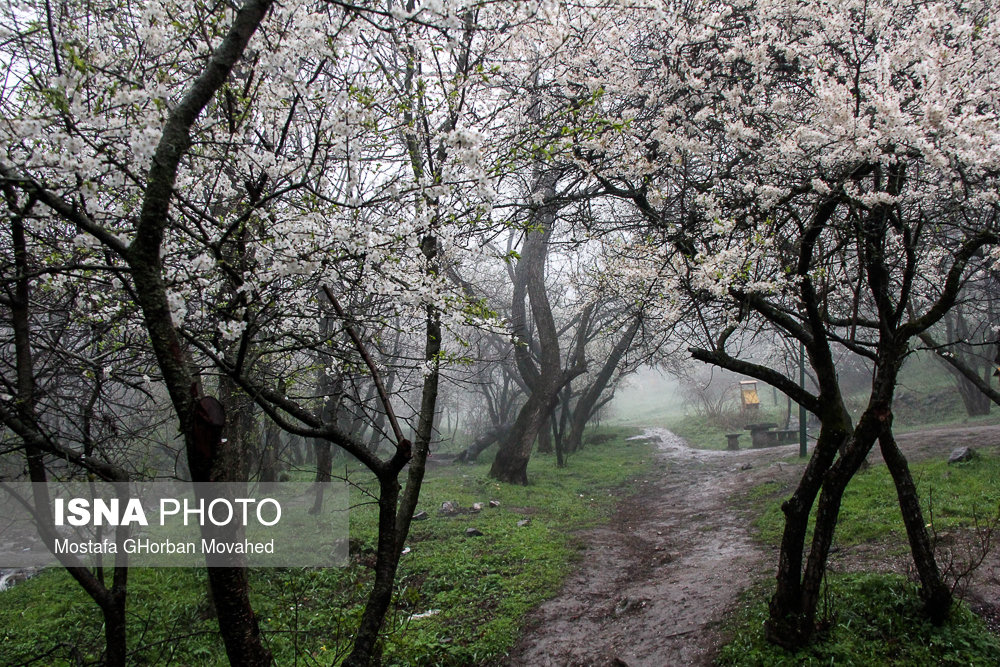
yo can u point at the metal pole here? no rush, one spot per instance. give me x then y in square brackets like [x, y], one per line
[802, 410]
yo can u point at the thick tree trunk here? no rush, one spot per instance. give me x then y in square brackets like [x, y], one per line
[324, 472]
[269, 454]
[220, 460]
[237, 621]
[788, 623]
[113, 611]
[235, 454]
[511, 462]
[977, 404]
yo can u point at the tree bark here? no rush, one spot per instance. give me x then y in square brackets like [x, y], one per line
[935, 594]
[547, 378]
[789, 624]
[269, 454]
[511, 462]
[386, 561]
[544, 438]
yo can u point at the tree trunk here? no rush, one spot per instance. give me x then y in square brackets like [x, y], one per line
[330, 392]
[511, 462]
[787, 624]
[547, 378]
[234, 456]
[113, 612]
[977, 404]
[269, 454]
[558, 437]
[960, 353]
[324, 472]
[588, 400]
[218, 459]
[827, 511]
[935, 594]
[237, 621]
[481, 443]
[386, 560]
[544, 439]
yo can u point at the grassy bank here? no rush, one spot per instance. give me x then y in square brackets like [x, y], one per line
[866, 619]
[953, 498]
[460, 600]
[874, 618]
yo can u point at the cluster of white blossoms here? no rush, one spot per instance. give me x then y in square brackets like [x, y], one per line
[343, 141]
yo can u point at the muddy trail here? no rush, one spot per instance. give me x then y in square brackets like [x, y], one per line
[653, 585]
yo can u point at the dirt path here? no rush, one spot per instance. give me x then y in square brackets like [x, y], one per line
[653, 584]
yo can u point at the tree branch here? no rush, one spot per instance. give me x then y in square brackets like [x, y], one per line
[372, 368]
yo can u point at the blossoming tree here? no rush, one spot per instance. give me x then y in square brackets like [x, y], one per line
[823, 173]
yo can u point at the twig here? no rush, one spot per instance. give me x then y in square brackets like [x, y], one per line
[363, 351]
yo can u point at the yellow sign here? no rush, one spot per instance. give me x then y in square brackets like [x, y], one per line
[748, 392]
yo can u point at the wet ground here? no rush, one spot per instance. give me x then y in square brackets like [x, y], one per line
[654, 583]
[652, 586]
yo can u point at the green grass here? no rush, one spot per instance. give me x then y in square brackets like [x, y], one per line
[474, 591]
[869, 620]
[707, 432]
[704, 432]
[952, 496]
[875, 619]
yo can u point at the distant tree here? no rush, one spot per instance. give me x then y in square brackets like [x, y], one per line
[969, 346]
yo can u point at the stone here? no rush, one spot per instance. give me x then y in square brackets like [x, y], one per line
[472, 532]
[962, 454]
[746, 466]
[9, 577]
[494, 503]
[420, 516]
[449, 507]
[523, 522]
[627, 604]
[477, 507]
